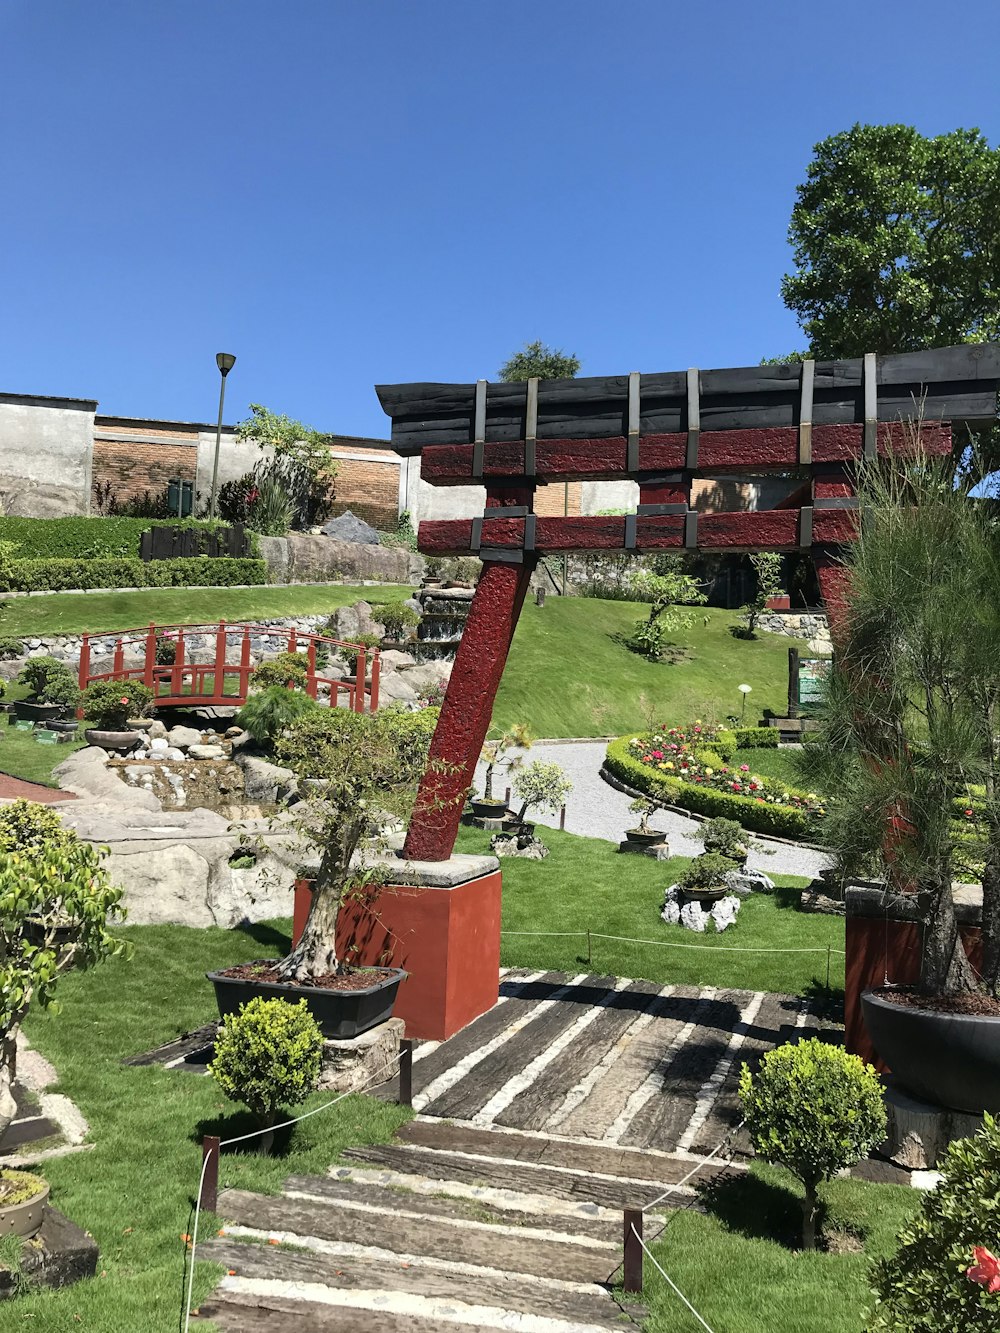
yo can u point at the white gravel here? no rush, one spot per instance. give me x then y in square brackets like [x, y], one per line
[598, 810]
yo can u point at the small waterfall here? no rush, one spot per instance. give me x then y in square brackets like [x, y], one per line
[443, 615]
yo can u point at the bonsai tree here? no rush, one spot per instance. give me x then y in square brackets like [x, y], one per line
[287, 670]
[49, 681]
[108, 704]
[913, 708]
[397, 619]
[946, 1274]
[814, 1109]
[645, 807]
[368, 765]
[497, 757]
[541, 785]
[268, 1057]
[726, 837]
[351, 651]
[706, 872]
[767, 567]
[49, 879]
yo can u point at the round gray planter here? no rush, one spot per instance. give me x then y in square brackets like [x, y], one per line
[119, 741]
[24, 1219]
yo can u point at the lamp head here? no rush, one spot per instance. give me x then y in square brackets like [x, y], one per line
[745, 689]
[225, 361]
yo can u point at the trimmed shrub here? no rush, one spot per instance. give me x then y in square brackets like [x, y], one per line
[350, 654]
[725, 837]
[108, 704]
[707, 871]
[268, 1057]
[287, 670]
[10, 648]
[756, 738]
[926, 1287]
[813, 1109]
[195, 571]
[269, 712]
[80, 538]
[397, 618]
[780, 820]
[49, 681]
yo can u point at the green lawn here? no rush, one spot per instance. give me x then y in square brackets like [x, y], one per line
[24, 757]
[587, 883]
[134, 1190]
[567, 675]
[73, 613]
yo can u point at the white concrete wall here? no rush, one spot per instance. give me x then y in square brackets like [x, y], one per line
[46, 449]
[236, 457]
[425, 501]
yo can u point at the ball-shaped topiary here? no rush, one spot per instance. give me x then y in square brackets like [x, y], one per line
[815, 1110]
[108, 704]
[267, 1057]
[290, 670]
[926, 1287]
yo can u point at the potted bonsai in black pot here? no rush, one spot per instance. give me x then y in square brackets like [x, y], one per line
[363, 770]
[911, 757]
[642, 835]
[108, 705]
[52, 690]
[497, 756]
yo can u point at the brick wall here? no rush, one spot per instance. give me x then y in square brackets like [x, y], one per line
[368, 487]
[132, 467]
[550, 500]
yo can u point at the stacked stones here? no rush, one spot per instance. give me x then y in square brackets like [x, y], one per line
[813, 626]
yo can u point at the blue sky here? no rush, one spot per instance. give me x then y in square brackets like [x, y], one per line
[344, 192]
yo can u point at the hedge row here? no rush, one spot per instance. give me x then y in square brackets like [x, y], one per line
[196, 571]
[81, 538]
[781, 820]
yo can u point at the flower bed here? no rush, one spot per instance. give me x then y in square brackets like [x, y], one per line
[694, 767]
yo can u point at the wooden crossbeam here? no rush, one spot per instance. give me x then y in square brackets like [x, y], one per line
[759, 530]
[606, 459]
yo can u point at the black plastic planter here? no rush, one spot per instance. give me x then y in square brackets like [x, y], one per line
[341, 1014]
[948, 1060]
[26, 711]
[484, 809]
[644, 837]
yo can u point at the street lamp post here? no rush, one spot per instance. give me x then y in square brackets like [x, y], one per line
[225, 361]
[744, 690]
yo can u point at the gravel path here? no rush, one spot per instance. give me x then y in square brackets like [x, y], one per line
[598, 810]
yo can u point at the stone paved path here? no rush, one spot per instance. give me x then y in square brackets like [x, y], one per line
[499, 1206]
[598, 810]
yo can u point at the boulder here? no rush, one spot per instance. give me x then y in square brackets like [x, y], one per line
[183, 737]
[206, 752]
[172, 752]
[346, 624]
[325, 559]
[396, 689]
[347, 527]
[86, 775]
[424, 677]
[159, 746]
[262, 780]
[393, 658]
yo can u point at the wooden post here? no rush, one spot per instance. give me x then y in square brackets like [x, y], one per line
[467, 708]
[793, 682]
[83, 677]
[220, 660]
[210, 1180]
[177, 674]
[373, 698]
[149, 674]
[245, 667]
[590, 951]
[406, 1072]
[360, 671]
[562, 817]
[118, 665]
[311, 688]
[633, 1250]
[293, 640]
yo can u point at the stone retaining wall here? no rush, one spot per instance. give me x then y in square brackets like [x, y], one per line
[811, 625]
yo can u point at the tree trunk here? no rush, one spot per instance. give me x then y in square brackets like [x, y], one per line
[944, 965]
[810, 1209]
[488, 791]
[315, 955]
[8, 1071]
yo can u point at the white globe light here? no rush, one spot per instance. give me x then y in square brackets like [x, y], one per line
[745, 689]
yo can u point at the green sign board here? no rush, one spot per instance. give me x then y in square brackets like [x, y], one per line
[813, 672]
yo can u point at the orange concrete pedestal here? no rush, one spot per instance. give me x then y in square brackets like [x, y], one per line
[446, 936]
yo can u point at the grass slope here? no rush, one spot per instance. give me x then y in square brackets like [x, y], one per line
[567, 676]
[586, 883]
[74, 613]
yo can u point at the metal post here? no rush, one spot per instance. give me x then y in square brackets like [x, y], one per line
[633, 1250]
[210, 1180]
[506, 798]
[793, 682]
[590, 952]
[225, 362]
[828, 966]
[406, 1072]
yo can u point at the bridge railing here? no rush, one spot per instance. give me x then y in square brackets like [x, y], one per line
[181, 682]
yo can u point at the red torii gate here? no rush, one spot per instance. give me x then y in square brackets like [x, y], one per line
[812, 421]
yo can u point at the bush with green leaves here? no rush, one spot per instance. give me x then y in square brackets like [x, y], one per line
[49, 878]
[767, 567]
[815, 1110]
[350, 651]
[726, 837]
[269, 712]
[268, 1057]
[397, 618]
[199, 571]
[108, 704]
[49, 681]
[707, 871]
[541, 785]
[645, 807]
[925, 1287]
[288, 669]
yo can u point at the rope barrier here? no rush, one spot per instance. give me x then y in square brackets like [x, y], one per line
[666, 944]
[695, 1169]
[669, 1279]
[242, 1138]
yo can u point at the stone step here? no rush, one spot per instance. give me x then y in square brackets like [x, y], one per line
[570, 1303]
[420, 1194]
[246, 1306]
[410, 1234]
[524, 1177]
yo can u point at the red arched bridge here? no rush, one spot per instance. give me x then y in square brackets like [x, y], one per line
[224, 679]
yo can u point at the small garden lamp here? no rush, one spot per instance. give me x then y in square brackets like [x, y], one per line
[225, 361]
[744, 690]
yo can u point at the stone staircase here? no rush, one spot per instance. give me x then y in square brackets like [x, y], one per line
[450, 1227]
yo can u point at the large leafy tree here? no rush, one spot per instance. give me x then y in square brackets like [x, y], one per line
[548, 363]
[897, 242]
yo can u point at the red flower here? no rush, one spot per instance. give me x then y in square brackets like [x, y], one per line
[986, 1269]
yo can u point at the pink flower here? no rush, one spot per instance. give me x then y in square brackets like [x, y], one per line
[123, 701]
[986, 1269]
[735, 786]
[657, 754]
[744, 768]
